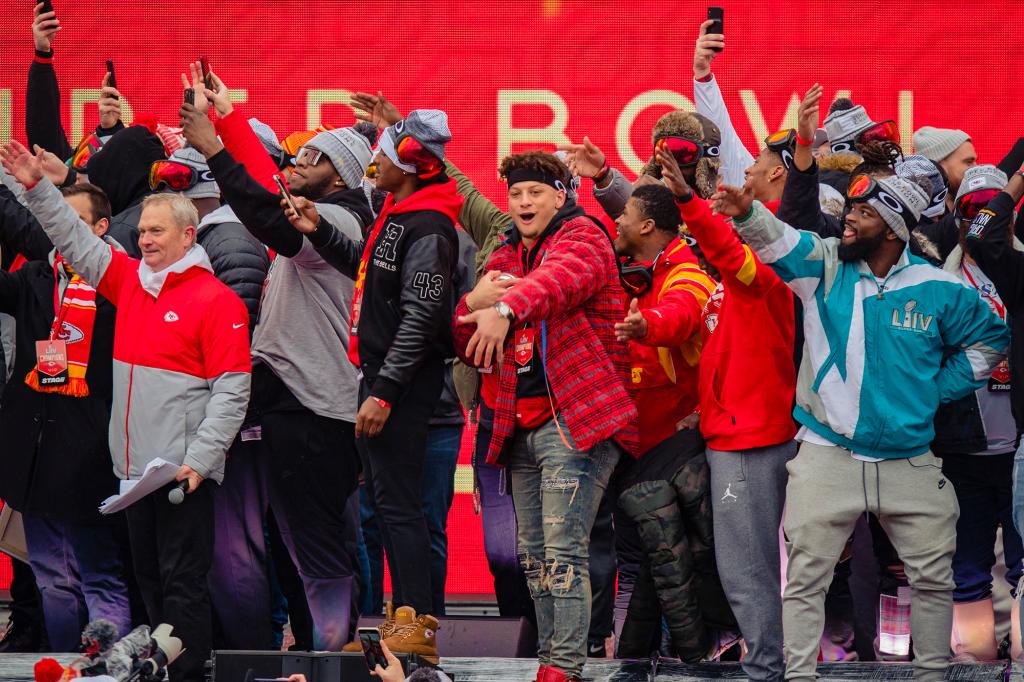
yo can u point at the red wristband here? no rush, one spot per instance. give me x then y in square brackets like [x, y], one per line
[803, 141]
[706, 79]
[380, 401]
[29, 188]
[603, 173]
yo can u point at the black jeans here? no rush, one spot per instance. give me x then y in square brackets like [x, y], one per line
[393, 471]
[172, 550]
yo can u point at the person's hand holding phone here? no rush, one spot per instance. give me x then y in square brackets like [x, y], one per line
[219, 95]
[194, 79]
[44, 26]
[394, 671]
[198, 130]
[707, 48]
[109, 104]
[303, 216]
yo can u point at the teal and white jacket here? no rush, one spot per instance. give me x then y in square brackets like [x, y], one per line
[879, 356]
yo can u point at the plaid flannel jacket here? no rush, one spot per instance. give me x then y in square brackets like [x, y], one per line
[574, 288]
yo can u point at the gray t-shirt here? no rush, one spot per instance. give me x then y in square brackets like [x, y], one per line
[303, 332]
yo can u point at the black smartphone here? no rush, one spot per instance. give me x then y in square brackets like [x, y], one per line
[717, 15]
[47, 6]
[369, 639]
[190, 96]
[287, 196]
[110, 69]
[207, 81]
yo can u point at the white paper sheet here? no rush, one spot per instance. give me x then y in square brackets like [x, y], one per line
[158, 473]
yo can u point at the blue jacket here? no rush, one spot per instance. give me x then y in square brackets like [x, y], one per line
[878, 357]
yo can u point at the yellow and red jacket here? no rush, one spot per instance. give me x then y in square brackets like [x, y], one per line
[664, 363]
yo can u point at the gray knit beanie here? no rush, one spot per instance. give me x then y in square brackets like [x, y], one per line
[938, 143]
[897, 190]
[985, 176]
[348, 150]
[915, 167]
[844, 125]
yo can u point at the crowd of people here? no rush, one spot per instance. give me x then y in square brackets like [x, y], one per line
[738, 349]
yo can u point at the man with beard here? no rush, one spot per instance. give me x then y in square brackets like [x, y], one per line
[888, 338]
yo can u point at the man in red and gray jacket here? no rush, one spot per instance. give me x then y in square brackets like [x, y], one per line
[181, 386]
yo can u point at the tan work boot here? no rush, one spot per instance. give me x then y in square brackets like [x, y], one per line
[414, 635]
[385, 629]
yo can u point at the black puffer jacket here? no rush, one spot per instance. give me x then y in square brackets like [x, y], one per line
[238, 258]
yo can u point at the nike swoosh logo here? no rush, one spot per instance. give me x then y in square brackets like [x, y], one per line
[237, 326]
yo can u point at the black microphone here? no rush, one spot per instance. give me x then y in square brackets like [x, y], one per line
[176, 495]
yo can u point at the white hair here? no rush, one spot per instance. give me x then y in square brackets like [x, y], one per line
[183, 211]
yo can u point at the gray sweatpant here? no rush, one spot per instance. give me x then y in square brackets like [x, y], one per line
[748, 493]
[916, 507]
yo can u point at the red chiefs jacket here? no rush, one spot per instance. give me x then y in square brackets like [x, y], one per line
[747, 379]
[574, 288]
[181, 348]
[664, 362]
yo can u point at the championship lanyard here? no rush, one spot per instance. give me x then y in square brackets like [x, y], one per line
[997, 306]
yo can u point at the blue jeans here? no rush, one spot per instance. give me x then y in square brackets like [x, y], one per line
[438, 493]
[80, 577]
[557, 490]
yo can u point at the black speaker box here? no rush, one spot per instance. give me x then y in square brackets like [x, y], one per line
[479, 637]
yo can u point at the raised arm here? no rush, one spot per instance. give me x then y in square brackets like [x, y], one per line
[42, 96]
[481, 219]
[611, 189]
[708, 98]
[989, 242]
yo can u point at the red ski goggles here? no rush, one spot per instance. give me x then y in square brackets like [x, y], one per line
[176, 176]
[864, 187]
[89, 145]
[970, 205]
[687, 152]
[783, 143]
[885, 130]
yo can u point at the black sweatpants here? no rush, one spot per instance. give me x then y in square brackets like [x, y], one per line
[172, 550]
[393, 471]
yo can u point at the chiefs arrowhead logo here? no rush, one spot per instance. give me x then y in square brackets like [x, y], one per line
[171, 316]
[69, 333]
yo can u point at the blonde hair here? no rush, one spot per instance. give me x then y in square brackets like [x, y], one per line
[183, 212]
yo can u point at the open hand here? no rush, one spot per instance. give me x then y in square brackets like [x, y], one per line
[375, 108]
[488, 341]
[634, 326]
[585, 160]
[55, 170]
[807, 115]
[44, 26]
[307, 219]
[220, 96]
[672, 175]
[707, 48]
[195, 71]
[732, 202]
[21, 164]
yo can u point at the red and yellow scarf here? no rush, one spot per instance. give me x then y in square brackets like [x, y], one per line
[73, 324]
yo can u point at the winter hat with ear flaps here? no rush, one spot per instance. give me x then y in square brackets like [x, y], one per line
[692, 127]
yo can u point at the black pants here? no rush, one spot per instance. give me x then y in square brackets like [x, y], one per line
[393, 471]
[172, 549]
[312, 474]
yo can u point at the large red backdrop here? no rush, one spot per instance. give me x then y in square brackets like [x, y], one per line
[530, 73]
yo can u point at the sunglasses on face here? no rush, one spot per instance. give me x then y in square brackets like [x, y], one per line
[783, 143]
[864, 187]
[89, 145]
[685, 151]
[308, 155]
[884, 131]
[969, 205]
[176, 176]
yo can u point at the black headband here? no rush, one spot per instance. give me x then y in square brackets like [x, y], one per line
[530, 175]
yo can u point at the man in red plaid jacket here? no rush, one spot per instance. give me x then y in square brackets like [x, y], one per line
[540, 326]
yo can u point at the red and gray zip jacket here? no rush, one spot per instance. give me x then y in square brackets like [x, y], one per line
[181, 348]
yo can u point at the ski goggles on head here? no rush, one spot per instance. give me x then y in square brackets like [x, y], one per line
[883, 131]
[411, 152]
[176, 176]
[783, 143]
[686, 152]
[636, 279]
[89, 145]
[863, 188]
[309, 155]
[969, 205]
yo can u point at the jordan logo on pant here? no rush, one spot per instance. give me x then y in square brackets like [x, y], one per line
[728, 493]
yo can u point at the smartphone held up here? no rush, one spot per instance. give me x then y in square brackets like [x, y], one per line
[716, 15]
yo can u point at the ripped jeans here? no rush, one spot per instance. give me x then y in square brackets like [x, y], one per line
[557, 491]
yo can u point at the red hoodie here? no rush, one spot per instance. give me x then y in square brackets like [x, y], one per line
[747, 378]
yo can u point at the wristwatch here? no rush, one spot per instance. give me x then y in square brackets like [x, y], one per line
[505, 311]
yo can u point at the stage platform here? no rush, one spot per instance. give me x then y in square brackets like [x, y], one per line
[18, 667]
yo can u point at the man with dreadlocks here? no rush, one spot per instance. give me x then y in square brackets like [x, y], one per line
[562, 414]
[888, 338]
